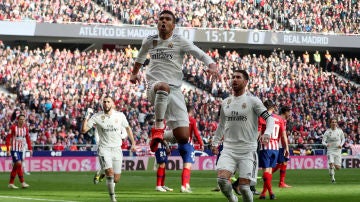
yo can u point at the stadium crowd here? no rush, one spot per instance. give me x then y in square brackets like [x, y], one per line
[332, 16]
[55, 87]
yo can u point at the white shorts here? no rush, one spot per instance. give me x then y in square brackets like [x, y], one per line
[334, 158]
[246, 164]
[176, 113]
[110, 157]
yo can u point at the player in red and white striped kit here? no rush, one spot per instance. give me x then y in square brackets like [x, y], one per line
[269, 152]
[15, 142]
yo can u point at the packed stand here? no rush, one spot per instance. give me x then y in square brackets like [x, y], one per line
[55, 87]
[61, 11]
[293, 15]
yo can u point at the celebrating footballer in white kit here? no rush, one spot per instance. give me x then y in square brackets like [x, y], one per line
[109, 125]
[239, 127]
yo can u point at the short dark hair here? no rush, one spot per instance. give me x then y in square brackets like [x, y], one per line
[189, 108]
[284, 109]
[170, 13]
[269, 104]
[109, 96]
[20, 115]
[243, 72]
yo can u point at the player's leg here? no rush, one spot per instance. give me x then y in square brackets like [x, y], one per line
[97, 175]
[217, 188]
[282, 165]
[337, 165]
[14, 171]
[159, 96]
[187, 154]
[161, 160]
[106, 161]
[267, 161]
[24, 164]
[331, 167]
[225, 167]
[20, 172]
[247, 167]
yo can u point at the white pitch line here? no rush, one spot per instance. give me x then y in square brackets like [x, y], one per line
[33, 199]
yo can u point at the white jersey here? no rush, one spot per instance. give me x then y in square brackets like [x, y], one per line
[334, 138]
[109, 128]
[166, 58]
[239, 123]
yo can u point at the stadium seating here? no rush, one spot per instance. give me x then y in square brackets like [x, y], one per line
[54, 87]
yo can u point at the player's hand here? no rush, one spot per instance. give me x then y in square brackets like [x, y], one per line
[265, 139]
[212, 72]
[168, 151]
[8, 153]
[133, 148]
[89, 113]
[287, 153]
[31, 152]
[134, 78]
[214, 150]
[202, 148]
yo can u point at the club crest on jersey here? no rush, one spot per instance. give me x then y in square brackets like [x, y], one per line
[228, 103]
[171, 45]
[102, 118]
[243, 105]
[155, 43]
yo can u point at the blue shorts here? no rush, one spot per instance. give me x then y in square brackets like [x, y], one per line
[187, 152]
[281, 157]
[16, 156]
[268, 158]
[161, 156]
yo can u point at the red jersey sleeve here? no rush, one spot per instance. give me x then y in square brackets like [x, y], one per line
[9, 137]
[193, 129]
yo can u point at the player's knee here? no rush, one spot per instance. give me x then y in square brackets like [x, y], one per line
[337, 167]
[162, 86]
[116, 178]
[181, 134]
[244, 188]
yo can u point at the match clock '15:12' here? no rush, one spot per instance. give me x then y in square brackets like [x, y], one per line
[220, 36]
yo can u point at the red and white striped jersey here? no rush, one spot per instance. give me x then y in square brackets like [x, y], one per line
[275, 135]
[17, 138]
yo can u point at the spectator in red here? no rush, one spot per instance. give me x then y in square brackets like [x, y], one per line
[59, 146]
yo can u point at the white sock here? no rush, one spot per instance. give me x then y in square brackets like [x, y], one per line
[110, 184]
[246, 193]
[225, 188]
[24, 167]
[161, 102]
[169, 137]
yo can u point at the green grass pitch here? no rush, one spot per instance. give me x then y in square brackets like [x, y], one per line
[139, 186]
